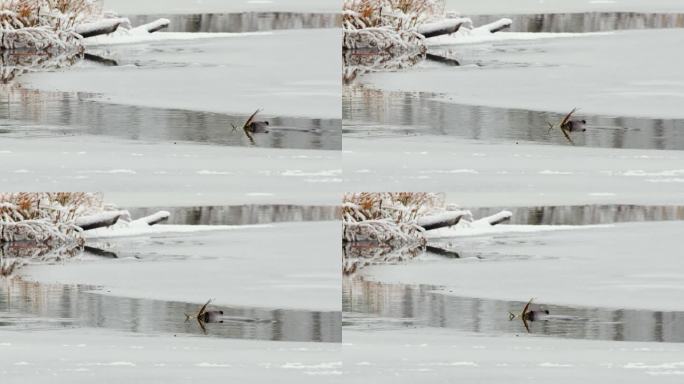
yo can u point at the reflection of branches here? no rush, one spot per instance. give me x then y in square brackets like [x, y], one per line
[357, 63]
[360, 255]
[13, 64]
[18, 254]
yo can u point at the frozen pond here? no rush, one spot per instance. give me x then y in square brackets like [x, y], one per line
[241, 22]
[29, 306]
[242, 214]
[30, 114]
[585, 214]
[377, 306]
[373, 113]
[132, 7]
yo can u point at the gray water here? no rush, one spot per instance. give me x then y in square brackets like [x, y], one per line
[242, 22]
[585, 214]
[371, 113]
[242, 214]
[33, 306]
[585, 22]
[385, 306]
[26, 114]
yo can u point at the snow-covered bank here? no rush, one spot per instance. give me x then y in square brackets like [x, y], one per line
[286, 73]
[215, 6]
[439, 355]
[506, 174]
[627, 265]
[197, 174]
[561, 6]
[88, 355]
[289, 265]
[140, 37]
[647, 84]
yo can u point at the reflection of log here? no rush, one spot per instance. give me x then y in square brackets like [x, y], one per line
[442, 27]
[100, 252]
[442, 59]
[101, 27]
[445, 219]
[442, 252]
[104, 219]
[100, 60]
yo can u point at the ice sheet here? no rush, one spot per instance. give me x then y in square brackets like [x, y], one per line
[621, 73]
[507, 174]
[87, 355]
[134, 173]
[438, 355]
[627, 265]
[289, 265]
[286, 73]
[562, 6]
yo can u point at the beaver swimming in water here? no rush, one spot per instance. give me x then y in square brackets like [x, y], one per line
[254, 126]
[568, 125]
[529, 314]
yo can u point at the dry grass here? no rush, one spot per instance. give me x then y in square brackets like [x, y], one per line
[388, 217]
[45, 217]
[387, 25]
[43, 24]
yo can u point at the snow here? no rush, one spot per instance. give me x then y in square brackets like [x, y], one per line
[171, 167]
[625, 265]
[288, 265]
[639, 85]
[562, 6]
[235, 74]
[109, 357]
[595, 175]
[138, 36]
[220, 6]
[440, 355]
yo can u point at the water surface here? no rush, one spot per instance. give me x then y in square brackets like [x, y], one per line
[27, 114]
[384, 306]
[32, 306]
[373, 113]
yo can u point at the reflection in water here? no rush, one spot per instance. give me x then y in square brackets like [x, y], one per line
[359, 62]
[370, 304]
[357, 255]
[13, 64]
[368, 112]
[587, 214]
[30, 306]
[243, 22]
[586, 22]
[27, 113]
[242, 214]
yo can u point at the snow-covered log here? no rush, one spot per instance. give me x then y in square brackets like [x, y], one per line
[99, 220]
[154, 26]
[442, 27]
[496, 218]
[154, 218]
[442, 252]
[444, 219]
[100, 27]
[496, 26]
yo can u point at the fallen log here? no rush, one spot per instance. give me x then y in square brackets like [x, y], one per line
[495, 26]
[442, 27]
[104, 219]
[155, 218]
[101, 27]
[442, 59]
[442, 252]
[497, 218]
[445, 219]
[154, 26]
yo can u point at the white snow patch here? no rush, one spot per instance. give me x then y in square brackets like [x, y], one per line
[212, 365]
[555, 365]
[22, 171]
[207, 172]
[550, 172]
[451, 171]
